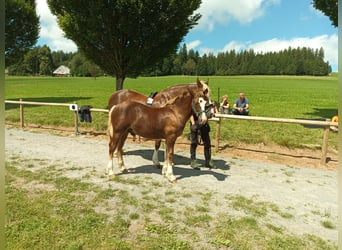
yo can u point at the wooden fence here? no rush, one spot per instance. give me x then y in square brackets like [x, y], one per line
[324, 124]
[217, 119]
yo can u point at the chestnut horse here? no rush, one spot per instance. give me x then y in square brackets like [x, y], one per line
[165, 122]
[159, 100]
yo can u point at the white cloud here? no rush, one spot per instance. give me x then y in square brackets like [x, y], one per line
[50, 33]
[223, 11]
[233, 45]
[328, 43]
[193, 44]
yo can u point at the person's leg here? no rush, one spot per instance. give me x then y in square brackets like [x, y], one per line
[235, 112]
[245, 112]
[207, 146]
[193, 146]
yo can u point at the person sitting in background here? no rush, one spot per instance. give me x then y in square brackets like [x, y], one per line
[224, 105]
[334, 128]
[241, 105]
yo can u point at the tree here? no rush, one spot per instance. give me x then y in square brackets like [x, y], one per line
[329, 8]
[38, 61]
[190, 67]
[126, 37]
[21, 29]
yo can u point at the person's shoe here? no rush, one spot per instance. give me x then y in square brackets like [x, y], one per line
[195, 165]
[210, 164]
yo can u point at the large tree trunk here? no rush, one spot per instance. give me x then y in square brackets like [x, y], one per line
[119, 82]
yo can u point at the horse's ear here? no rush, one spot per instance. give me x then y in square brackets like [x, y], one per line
[199, 84]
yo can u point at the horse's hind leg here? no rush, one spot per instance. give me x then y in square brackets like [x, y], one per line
[113, 141]
[121, 164]
[155, 158]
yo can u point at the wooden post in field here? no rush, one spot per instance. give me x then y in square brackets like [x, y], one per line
[325, 143]
[21, 114]
[217, 137]
[76, 121]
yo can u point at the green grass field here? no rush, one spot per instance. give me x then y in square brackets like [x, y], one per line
[270, 96]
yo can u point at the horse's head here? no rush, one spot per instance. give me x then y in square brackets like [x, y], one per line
[204, 87]
[205, 108]
[199, 104]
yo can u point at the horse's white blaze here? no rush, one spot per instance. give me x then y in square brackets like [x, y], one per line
[202, 103]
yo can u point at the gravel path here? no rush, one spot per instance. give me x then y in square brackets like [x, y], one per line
[310, 195]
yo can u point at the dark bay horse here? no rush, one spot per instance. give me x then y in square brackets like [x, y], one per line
[165, 122]
[159, 100]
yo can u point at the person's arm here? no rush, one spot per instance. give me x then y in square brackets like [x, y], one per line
[247, 104]
[235, 106]
[192, 120]
[194, 125]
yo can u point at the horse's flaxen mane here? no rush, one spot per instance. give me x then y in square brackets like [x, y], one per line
[171, 90]
[206, 87]
[174, 99]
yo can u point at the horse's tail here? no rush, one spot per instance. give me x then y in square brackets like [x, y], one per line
[110, 124]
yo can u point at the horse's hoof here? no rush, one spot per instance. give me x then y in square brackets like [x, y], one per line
[158, 166]
[124, 171]
[172, 179]
[111, 177]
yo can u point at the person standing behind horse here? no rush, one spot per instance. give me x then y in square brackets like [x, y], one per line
[241, 105]
[204, 130]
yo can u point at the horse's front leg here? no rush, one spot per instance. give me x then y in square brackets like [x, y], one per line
[155, 158]
[168, 165]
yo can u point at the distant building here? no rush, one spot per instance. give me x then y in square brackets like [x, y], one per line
[62, 71]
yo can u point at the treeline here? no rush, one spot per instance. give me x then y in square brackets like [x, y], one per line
[291, 61]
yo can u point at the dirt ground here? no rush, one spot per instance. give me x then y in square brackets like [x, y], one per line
[290, 179]
[302, 157]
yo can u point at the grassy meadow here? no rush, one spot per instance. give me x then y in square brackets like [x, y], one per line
[271, 96]
[49, 211]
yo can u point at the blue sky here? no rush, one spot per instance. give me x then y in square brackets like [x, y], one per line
[262, 25]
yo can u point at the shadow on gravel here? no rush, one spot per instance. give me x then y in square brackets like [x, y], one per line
[180, 172]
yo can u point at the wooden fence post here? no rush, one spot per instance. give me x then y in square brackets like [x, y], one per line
[21, 114]
[217, 137]
[325, 143]
[76, 121]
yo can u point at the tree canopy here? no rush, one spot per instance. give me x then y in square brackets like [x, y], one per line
[21, 29]
[125, 37]
[329, 8]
